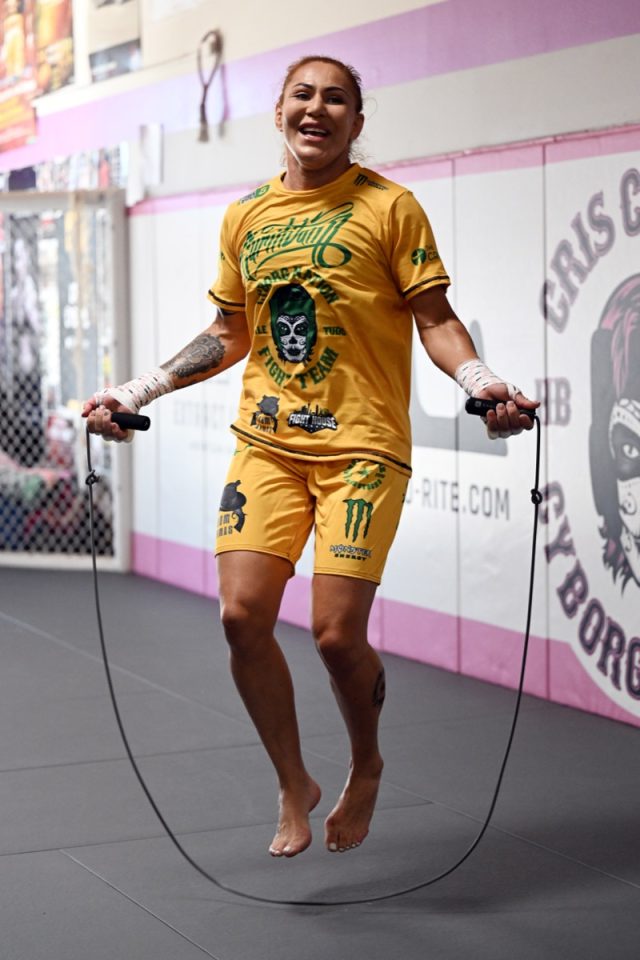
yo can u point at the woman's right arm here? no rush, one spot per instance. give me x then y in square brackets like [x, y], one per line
[220, 346]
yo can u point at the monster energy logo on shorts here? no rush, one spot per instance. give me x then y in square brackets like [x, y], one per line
[357, 511]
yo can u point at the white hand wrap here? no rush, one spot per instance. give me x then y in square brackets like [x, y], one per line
[473, 376]
[141, 391]
[138, 393]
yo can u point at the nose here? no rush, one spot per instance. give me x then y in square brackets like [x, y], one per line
[315, 106]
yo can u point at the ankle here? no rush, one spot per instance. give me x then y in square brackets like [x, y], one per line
[295, 785]
[369, 767]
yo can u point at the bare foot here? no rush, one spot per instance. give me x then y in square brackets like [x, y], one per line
[348, 823]
[294, 833]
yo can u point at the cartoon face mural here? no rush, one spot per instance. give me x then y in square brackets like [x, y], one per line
[624, 442]
[614, 439]
[293, 323]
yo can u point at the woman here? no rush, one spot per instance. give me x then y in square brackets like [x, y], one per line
[321, 271]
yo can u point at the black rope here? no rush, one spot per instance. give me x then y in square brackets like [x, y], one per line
[536, 498]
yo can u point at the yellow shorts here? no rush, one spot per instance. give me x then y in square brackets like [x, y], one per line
[270, 503]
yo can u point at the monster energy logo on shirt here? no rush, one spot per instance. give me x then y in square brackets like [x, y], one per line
[357, 511]
[316, 234]
[362, 178]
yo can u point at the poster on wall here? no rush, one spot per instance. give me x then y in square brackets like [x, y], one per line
[17, 73]
[591, 304]
[54, 44]
[17, 43]
[114, 61]
[91, 170]
[113, 30]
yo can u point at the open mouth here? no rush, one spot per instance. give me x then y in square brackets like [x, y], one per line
[313, 133]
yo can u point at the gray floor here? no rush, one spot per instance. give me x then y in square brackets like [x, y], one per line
[87, 872]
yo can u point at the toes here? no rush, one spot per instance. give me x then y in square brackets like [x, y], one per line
[289, 848]
[287, 851]
[336, 847]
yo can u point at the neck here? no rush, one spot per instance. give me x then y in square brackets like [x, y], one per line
[297, 177]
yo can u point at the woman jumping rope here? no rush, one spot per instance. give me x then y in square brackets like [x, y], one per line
[322, 272]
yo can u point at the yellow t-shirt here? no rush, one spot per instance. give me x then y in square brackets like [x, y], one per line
[325, 278]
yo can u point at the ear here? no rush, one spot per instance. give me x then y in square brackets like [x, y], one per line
[358, 124]
[278, 117]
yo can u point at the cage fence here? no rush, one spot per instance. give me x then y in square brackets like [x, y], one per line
[60, 307]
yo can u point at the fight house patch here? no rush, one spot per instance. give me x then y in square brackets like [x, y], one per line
[312, 420]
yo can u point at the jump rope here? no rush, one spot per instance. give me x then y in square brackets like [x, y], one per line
[137, 422]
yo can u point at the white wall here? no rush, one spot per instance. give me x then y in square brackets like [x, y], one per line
[458, 573]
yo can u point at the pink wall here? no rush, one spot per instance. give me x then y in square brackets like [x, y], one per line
[438, 39]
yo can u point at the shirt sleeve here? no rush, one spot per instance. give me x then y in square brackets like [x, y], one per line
[228, 291]
[414, 257]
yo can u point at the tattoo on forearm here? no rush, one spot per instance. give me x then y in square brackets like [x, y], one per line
[203, 354]
[379, 691]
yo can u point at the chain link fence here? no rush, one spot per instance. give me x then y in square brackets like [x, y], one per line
[58, 306]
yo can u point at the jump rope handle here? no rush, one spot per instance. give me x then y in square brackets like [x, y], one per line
[131, 421]
[479, 407]
[474, 406]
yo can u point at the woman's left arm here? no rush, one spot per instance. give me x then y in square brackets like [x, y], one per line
[450, 347]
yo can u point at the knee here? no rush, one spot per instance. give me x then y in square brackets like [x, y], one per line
[243, 625]
[340, 649]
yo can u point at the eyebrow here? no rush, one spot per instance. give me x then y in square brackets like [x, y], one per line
[310, 86]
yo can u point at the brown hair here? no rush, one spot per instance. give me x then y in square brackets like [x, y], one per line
[354, 77]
